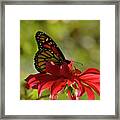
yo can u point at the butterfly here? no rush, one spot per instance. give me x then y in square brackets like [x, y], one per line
[47, 51]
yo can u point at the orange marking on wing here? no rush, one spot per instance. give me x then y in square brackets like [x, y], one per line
[45, 54]
[48, 52]
[43, 36]
[41, 56]
[55, 51]
[47, 46]
[42, 39]
[40, 60]
[40, 63]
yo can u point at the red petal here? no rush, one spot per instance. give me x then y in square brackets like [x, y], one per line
[93, 80]
[32, 81]
[75, 86]
[57, 86]
[39, 90]
[46, 77]
[34, 84]
[40, 78]
[48, 84]
[96, 86]
[45, 85]
[69, 82]
[30, 78]
[71, 65]
[80, 87]
[91, 71]
[52, 68]
[90, 93]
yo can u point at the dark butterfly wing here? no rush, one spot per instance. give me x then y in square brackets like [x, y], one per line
[43, 56]
[45, 42]
[48, 51]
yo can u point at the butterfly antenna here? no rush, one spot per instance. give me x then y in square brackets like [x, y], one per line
[79, 63]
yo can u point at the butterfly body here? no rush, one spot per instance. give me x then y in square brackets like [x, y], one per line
[47, 51]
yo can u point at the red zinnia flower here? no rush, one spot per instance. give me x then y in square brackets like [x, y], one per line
[59, 77]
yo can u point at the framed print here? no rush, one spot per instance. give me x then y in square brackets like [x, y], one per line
[63, 83]
[60, 60]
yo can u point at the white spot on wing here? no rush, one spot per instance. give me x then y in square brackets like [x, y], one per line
[52, 63]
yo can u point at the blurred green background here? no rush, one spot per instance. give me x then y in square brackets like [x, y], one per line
[79, 40]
